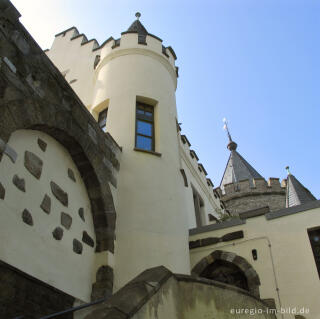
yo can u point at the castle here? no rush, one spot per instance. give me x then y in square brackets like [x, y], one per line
[106, 209]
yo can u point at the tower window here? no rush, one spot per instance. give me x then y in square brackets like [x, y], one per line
[144, 127]
[314, 237]
[102, 120]
[198, 208]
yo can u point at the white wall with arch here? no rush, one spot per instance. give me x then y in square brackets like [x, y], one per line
[46, 225]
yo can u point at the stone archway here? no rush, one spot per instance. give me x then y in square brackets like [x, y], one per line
[35, 96]
[229, 268]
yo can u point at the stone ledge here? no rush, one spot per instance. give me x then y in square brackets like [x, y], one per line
[293, 210]
[129, 299]
[204, 229]
[132, 297]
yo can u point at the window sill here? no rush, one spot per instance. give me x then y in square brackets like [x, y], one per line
[146, 151]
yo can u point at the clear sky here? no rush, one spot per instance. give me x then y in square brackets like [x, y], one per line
[254, 62]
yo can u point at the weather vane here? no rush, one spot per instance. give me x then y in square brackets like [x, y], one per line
[138, 15]
[226, 128]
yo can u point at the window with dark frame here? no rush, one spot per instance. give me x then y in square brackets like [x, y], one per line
[198, 208]
[102, 120]
[144, 127]
[314, 237]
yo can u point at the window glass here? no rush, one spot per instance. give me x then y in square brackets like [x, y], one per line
[144, 128]
[102, 120]
[144, 143]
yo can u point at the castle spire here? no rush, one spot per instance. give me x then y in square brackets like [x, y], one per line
[296, 194]
[137, 26]
[232, 146]
[237, 168]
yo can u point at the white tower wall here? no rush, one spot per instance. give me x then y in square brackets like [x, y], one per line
[152, 226]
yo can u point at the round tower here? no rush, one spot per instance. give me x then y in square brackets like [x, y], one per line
[136, 79]
[243, 189]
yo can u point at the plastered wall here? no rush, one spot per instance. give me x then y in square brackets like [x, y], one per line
[46, 227]
[285, 263]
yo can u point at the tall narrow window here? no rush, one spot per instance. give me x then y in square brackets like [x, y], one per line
[102, 120]
[198, 208]
[144, 127]
[314, 236]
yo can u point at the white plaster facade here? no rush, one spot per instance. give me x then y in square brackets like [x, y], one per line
[32, 248]
[285, 262]
[154, 207]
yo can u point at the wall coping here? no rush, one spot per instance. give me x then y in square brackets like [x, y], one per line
[135, 294]
[256, 213]
[293, 210]
[226, 224]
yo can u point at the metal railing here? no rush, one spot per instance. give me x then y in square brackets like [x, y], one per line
[68, 311]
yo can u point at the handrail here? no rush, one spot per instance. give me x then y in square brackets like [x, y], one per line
[70, 310]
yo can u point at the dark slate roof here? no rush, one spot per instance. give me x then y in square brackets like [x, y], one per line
[238, 169]
[137, 26]
[297, 194]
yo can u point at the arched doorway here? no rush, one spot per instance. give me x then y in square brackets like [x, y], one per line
[229, 268]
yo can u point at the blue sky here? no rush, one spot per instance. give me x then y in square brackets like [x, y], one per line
[254, 62]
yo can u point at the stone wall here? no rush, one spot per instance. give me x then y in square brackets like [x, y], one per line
[242, 196]
[21, 295]
[158, 294]
[35, 96]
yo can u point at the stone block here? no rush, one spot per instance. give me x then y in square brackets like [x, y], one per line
[274, 183]
[86, 238]
[27, 217]
[57, 233]
[77, 246]
[42, 144]
[228, 256]
[244, 185]
[232, 236]
[2, 191]
[209, 241]
[71, 174]
[194, 244]
[260, 184]
[66, 220]
[46, 204]
[106, 313]
[33, 164]
[81, 213]
[59, 194]
[19, 183]
[229, 188]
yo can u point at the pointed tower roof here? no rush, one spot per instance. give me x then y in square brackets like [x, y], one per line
[137, 26]
[296, 194]
[237, 168]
